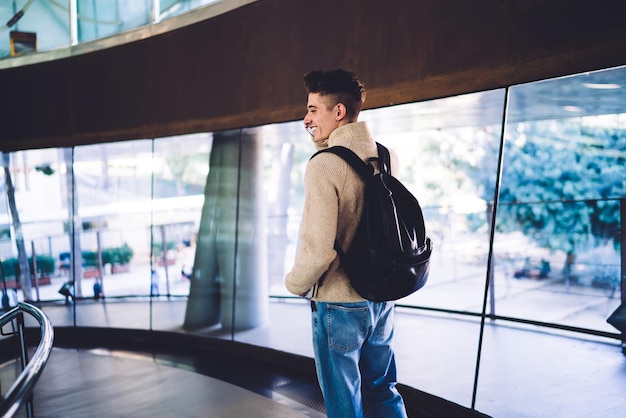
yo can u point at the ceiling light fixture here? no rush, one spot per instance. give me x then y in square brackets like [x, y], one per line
[602, 86]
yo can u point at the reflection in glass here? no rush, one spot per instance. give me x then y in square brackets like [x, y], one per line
[180, 167]
[229, 278]
[557, 242]
[113, 199]
[562, 188]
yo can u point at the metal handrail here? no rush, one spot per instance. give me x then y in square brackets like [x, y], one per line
[20, 392]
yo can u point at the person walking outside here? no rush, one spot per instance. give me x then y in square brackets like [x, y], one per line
[352, 337]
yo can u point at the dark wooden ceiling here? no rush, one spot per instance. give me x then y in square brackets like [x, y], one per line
[244, 68]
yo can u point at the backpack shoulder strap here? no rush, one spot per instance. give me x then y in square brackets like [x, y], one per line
[384, 159]
[362, 168]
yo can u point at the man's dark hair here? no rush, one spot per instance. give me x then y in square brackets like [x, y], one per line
[338, 86]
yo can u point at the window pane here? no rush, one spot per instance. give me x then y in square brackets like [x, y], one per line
[181, 166]
[33, 186]
[113, 197]
[171, 8]
[562, 186]
[48, 20]
[557, 246]
[440, 145]
[100, 18]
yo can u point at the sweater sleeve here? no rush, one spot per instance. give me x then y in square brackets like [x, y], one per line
[318, 229]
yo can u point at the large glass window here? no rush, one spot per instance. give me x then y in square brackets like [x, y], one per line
[558, 241]
[558, 226]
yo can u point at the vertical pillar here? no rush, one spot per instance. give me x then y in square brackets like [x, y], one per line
[229, 279]
[34, 274]
[24, 277]
[73, 22]
[155, 11]
[74, 223]
[165, 259]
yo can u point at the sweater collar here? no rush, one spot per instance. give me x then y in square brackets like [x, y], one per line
[348, 134]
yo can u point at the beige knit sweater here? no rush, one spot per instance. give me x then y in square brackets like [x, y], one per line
[332, 209]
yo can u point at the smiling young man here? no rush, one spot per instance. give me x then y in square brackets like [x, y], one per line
[352, 337]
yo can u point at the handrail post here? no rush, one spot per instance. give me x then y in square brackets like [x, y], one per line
[24, 357]
[20, 331]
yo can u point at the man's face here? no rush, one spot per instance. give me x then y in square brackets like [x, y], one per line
[320, 120]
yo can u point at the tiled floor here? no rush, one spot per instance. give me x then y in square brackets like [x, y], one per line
[524, 371]
[79, 383]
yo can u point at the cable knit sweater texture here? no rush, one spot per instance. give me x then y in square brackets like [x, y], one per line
[332, 209]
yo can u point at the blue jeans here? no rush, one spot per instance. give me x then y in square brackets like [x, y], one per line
[354, 359]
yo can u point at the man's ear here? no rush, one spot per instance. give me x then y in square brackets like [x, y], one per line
[340, 111]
